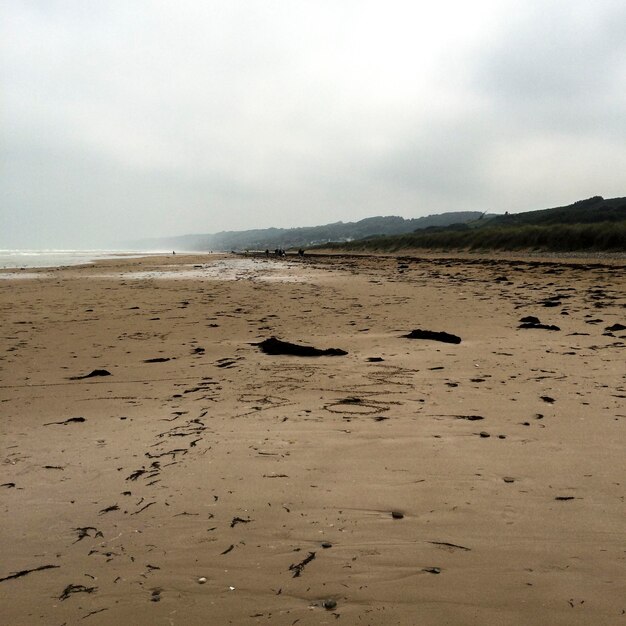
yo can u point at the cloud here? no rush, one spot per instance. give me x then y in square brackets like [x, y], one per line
[171, 118]
[560, 67]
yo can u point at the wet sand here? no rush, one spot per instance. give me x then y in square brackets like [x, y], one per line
[194, 479]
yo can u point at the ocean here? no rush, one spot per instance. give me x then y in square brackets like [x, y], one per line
[10, 259]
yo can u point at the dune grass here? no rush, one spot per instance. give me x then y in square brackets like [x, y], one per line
[601, 236]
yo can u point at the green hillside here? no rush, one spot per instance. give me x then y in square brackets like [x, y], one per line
[594, 224]
[589, 211]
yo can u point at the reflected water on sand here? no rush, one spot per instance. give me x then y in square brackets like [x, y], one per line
[18, 275]
[252, 269]
[224, 269]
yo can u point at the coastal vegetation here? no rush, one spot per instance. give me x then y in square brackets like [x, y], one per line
[594, 224]
[603, 236]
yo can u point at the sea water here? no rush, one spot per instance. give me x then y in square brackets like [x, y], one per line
[11, 259]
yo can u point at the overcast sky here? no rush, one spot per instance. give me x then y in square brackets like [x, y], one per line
[122, 119]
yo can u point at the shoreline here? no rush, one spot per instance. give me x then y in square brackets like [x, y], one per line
[597, 259]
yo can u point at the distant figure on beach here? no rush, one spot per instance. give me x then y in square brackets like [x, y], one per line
[173, 252]
[300, 252]
[267, 252]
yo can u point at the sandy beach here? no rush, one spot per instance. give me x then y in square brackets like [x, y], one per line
[159, 468]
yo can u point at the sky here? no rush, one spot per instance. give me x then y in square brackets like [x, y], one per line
[127, 119]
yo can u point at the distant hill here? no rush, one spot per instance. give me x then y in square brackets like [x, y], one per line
[589, 211]
[285, 238]
[591, 224]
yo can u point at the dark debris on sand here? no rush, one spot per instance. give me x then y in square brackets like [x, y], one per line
[25, 572]
[71, 420]
[433, 335]
[532, 322]
[297, 568]
[275, 346]
[70, 589]
[92, 374]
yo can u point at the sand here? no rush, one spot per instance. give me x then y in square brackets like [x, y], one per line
[407, 482]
